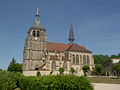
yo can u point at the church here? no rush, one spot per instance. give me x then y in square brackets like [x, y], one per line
[46, 57]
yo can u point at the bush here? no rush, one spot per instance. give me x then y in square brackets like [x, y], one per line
[8, 80]
[61, 70]
[85, 69]
[58, 82]
[38, 73]
[72, 70]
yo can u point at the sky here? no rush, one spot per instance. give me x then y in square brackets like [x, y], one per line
[96, 25]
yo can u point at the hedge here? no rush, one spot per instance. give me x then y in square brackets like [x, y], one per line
[58, 82]
[11, 80]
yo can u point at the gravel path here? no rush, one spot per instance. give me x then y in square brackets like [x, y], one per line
[102, 86]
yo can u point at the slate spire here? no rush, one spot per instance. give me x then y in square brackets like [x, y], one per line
[37, 23]
[71, 35]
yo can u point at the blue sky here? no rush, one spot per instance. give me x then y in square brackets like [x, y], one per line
[96, 24]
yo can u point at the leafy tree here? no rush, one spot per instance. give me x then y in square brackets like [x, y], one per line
[8, 80]
[14, 67]
[101, 59]
[72, 70]
[61, 70]
[116, 67]
[38, 73]
[98, 69]
[85, 69]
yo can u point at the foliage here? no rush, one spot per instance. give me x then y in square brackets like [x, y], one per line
[38, 73]
[72, 70]
[58, 82]
[101, 59]
[98, 69]
[85, 69]
[8, 80]
[61, 70]
[116, 67]
[14, 67]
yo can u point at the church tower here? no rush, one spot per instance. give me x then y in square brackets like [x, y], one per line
[35, 46]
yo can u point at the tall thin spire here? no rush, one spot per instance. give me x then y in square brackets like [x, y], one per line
[37, 23]
[71, 35]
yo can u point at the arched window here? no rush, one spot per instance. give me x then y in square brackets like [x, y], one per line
[38, 33]
[77, 60]
[34, 33]
[80, 59]
[73, 59]
[36, 67]
[88, 59]
[53, 65]
[84, 59]
[65, 65]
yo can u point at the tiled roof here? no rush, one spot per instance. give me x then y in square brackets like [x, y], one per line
[76, 47]
[51, 46]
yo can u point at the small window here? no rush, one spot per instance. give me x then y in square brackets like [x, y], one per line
[38, 33]
[34, 33]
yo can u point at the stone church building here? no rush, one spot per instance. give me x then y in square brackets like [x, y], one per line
[41, 55]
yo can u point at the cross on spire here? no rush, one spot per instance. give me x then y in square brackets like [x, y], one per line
[37, 23]
[71, 34]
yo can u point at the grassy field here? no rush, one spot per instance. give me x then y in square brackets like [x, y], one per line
[109, 80]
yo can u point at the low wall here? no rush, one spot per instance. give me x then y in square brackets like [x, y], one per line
[44, 73]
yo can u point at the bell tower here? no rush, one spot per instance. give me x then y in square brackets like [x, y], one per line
[35, 46]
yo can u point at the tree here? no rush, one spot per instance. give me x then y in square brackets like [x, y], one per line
[38, 73]
[98, 69]
[72, 70]
[15, 67]
[85, 69]
[101, 59]
[61, 70]
[116, 67]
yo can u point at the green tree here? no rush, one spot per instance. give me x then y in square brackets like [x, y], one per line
[116, 67]
[98, 69]
[61, 70]
[101, 59]
[15, 67]
[38, 73]
[72, 70]
[85, 69]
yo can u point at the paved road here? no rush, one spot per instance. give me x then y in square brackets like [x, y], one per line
[102, 86]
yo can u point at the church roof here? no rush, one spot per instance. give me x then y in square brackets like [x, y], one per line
[76, 47]
[52, 46]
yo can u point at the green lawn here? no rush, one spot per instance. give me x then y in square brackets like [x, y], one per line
[109, 80]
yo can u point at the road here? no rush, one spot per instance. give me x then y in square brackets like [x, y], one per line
[102, 86]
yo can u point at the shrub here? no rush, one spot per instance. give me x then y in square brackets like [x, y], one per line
[8, 80]
[72, 70]
[58, 82]
[85, 69]
[61, 70]
[38, 73]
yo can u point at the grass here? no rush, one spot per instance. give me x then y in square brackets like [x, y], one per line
[109, 80]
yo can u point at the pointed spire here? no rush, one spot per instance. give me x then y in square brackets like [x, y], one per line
[71, 34]
[37, 23]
